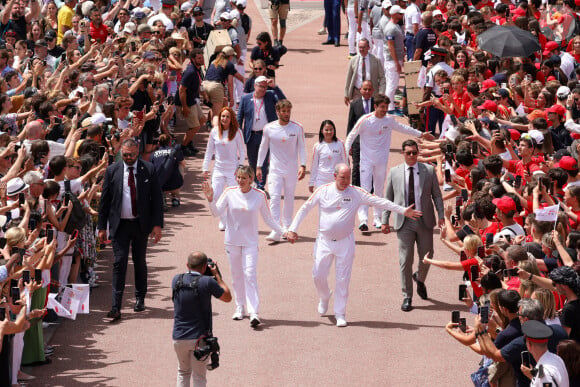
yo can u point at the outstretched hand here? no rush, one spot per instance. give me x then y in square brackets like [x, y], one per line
[207, 190]
[411, 213]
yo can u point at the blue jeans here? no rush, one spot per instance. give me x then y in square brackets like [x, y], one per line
[410, 45]
[253, 146]
[332, 18]
[434, 117]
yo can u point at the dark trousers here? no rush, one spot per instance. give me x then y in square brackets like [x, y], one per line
[410, 45]
[355, 162]
[129, 235]
[332, 18]
[434, 117]
[253, 146]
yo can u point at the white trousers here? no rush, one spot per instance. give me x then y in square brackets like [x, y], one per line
[64, 270]
[392, 77]
[220, 181]
[239, 85]
[372, 176]
[243, 264]
[378, 48]
[17, 349]
[365, 33]
[188, 366]
[342, 252]
[276, 184]
[352, 48]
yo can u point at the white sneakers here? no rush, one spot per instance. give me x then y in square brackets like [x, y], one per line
[221, 226]
[239, 313]
[254, 320]
[340, 321]
[273, 237]
[378, 224]
[322, 306]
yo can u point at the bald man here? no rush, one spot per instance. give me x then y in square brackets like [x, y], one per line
[338, 202]
[34, 130]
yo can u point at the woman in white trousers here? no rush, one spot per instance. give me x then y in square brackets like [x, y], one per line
[241, 206]
[226, 142]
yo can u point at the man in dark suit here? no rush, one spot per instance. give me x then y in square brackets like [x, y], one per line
[413, 183]
[254, 112]
[358, 108]
[132, 205]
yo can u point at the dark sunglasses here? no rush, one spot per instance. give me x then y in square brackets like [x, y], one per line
[411, 153]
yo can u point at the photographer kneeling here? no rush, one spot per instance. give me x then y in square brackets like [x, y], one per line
[192, 321]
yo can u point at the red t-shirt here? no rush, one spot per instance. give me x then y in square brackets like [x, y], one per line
[460, 100]
[573, 223]
[99, 34]
[466, 266]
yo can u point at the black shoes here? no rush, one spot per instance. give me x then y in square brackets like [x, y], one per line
[327, 43]
[406, 307]
[114, 315]
[421, 288]
[139, 305]
[363, 227]
[336, 44]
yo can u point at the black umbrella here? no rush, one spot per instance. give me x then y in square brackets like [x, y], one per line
[508, 42]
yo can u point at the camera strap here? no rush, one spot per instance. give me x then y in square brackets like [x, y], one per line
[194, 286]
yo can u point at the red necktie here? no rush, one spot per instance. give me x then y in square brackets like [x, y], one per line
[364, 69]
[133, 191]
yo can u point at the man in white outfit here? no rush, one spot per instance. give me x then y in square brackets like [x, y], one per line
[375, 131]
[285, 141]
[394, 53]
[338, 203]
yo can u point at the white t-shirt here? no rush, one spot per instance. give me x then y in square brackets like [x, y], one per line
[241, 212]
[228, 154]
[286, 145]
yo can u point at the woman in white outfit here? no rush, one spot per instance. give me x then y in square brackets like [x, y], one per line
[327, 153]
[241, 206]
[226, 142]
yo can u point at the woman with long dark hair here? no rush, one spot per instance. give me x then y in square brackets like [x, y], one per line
[328, 152]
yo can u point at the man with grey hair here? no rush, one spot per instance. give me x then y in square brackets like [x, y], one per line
[338, 204]
[35, 182]
[101, 96]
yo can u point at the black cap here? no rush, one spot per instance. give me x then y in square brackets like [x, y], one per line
[197, 10]
[40, 42]
[168, 3]
[438, 51]
[536, 331]
[50, 34]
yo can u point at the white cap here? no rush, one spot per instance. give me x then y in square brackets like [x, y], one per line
[563, 92]
[243, 3]
[261, 78]
[387, 4]
[536, 135]
[130, 27]
[186, 6]
[86, 7]
[396, 9]
[226, 15]
[437, 12]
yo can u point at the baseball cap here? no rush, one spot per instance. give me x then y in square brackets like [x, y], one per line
[437, 13]
[396, 9]
[558, 109]
[387, 4]
[563, 92]
[568, 163]
[488, 105]
[537, 135]
[514, 134]
[487, 84]
[261, 78]
[550, 46]
[505, 204]
[198, 10]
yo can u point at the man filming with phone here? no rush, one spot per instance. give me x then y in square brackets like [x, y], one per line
[192, 318]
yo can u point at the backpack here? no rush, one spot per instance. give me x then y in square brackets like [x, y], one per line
[78, 217]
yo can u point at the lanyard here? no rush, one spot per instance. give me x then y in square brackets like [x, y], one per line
[257, 109]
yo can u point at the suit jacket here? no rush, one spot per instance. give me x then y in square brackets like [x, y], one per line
[149, 198]
[430, 194]
[377, 75]
[246, 110]
[356, 111]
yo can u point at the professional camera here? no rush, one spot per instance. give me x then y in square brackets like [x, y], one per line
[210, 264]
[208, 346]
